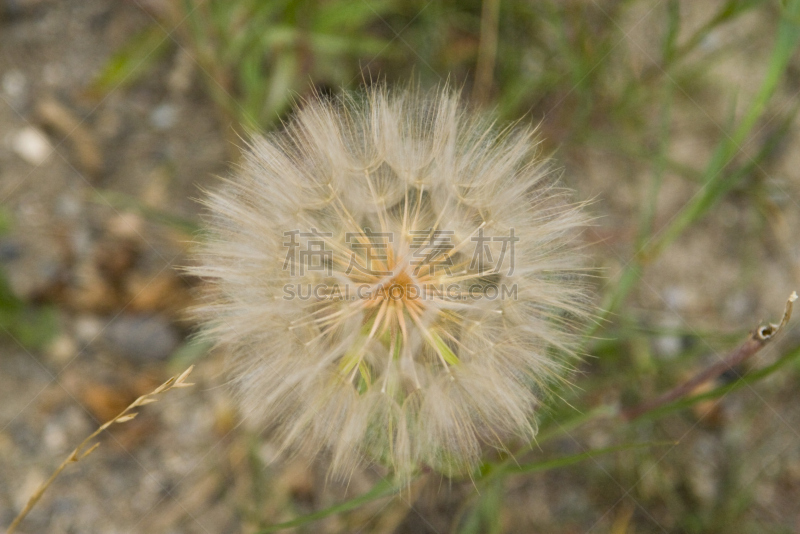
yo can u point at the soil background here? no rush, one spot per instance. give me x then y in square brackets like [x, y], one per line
[100, 193]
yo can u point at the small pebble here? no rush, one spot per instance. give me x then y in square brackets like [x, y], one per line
[14, 84]
[9, 251]
[164, 117]
[87, 328]
[142, 337]
[32, 145]
[54, 437]
[62, 349]
[668, 346]
[53, 74]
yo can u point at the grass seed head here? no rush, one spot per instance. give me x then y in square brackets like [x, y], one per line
[395, 279]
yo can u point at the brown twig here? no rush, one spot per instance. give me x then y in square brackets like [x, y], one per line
[487, 50]
[77, 454]
[760, 337]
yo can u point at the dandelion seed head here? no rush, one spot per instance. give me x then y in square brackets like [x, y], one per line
[395, 279]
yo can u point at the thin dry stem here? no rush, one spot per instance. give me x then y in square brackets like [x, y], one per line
[759, 338]
[78, 453]
[487, 52]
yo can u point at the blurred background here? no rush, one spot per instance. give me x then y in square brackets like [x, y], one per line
[679, 118]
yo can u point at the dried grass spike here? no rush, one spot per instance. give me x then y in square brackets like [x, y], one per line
[78, 453]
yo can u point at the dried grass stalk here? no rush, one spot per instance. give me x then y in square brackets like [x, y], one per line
[79, 453]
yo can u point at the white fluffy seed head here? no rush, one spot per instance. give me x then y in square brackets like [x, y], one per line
[395, 279]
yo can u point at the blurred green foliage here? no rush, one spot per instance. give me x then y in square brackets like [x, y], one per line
[30, 326]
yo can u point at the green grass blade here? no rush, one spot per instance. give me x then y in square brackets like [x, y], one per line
[484, 518]
[717, 183]
[133, 60]
[383, 488]
[721, 391]
[30, 326]
[564, 461]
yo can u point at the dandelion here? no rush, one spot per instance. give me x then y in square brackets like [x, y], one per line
[395, 279]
